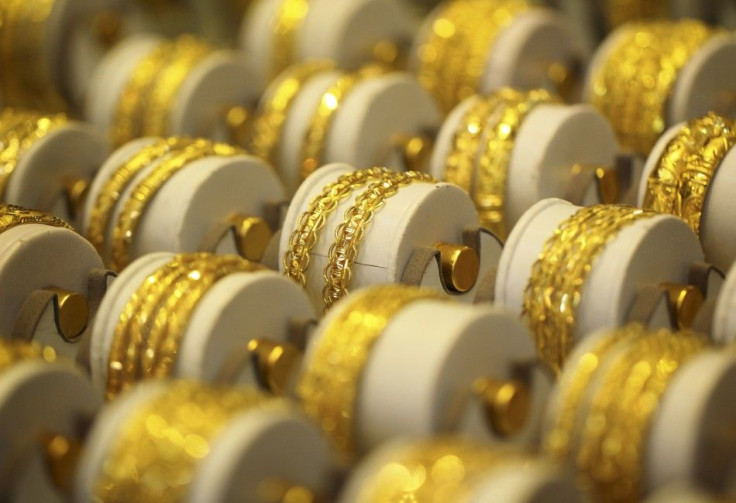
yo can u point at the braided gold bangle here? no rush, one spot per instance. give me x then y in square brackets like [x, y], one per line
[633, 85]
[112, 191]
[329, 385]
[159, 446]
[679, 184]
[271, 115]
[555, 286]
[288, 20]
[489, 193]
[349, 235]
[613, 448]
[304, 238]
[13, 216]
[15, 351]
[143, 193]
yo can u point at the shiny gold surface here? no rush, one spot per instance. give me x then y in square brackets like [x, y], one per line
[507, 404]
[275, 364]
[252, 236]
[460, 266]
[71, 313]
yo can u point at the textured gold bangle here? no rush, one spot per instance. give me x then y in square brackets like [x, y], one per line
[489, 193]
[349, 235]
[442, 469]
[13, 216]
[15, 351]
[614, 441]
[313, 220]
[112, 191]
[618, 12]
[633, 85]
[573, 384]
[271, 115]
[143, 193]
[329, 385]
[679, 183]
[157, 450]
[312, 153]
[288, 20]
[555, 286]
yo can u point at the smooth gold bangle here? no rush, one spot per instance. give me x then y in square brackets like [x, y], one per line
[555, 286]
[271, 115]
[623, 405]
[311, 222]
[349, 235]
[167, 437]
[15, 351]
[290, 17]
[13, 216]
[489, 193]
[329, 385]
[112, 191]
[679, 183]
[135, 206]
[634, 84]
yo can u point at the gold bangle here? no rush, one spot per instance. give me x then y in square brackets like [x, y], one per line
[555, 286]
[618, 12]
[143, 193]
[271, 115]
[679, 184]
[329, 385]
[15, 351]
[112, 191]
[314, 218]
[622, 407]
[634, 84]
[166, 438]
[13, 216]
[489, 193]
[349, 235]
[315, 140]
[290, 17]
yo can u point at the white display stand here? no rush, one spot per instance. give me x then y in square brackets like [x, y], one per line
[37, 399]
[551, 140]
[398, 229]
[205, 193]
[34, 257]
[648, 252]
[513, 481]
[259, 445]
[724, 316]
[239, 308]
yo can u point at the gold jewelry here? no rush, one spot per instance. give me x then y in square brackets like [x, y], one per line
[489, 193]
[115, 186]
[349, 235]
[622, 407]
[679, 184]
[15, 351]
[634, 84]
[290, 17]
[313, 220]
[145, 191]
[329, 385]
[13, 216]
[156, 452]
[271, 115]
[555, 286]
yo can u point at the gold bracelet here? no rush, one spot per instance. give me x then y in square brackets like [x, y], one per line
[490, 186]
[618, 12]
[102, 211]
[16, 351]
[315, 140]
[271, 115]
[329, 385]
[167, 437]
[349, 235]
[573, 384]
[679, 184]
[311, 222]
[13, 216]
[441, 469]
[290, 17]
[612, 452]
[634, 84]
[555, 286]
[143, 193]
[132, 103]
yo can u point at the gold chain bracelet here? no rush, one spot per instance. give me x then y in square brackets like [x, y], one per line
[555, 286]
[679, 184]
[329, 385]
[289, 19]
[634, 84]
[349, 235]
[13, 216]
[612, 452]
[154, 456]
